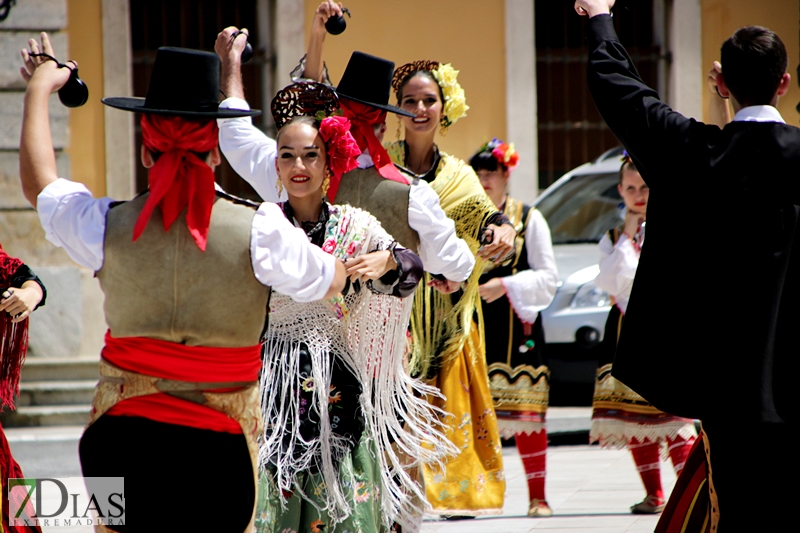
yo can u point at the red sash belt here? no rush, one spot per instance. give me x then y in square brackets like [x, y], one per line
[174, 361]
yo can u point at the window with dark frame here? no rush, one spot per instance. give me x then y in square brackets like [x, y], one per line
[570, 129]
[193, 24]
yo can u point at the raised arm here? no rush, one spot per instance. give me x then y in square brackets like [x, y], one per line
[658, 138]
[37, 160]
[248, 150]
[228, 46]
[70, 216]
[315, 68]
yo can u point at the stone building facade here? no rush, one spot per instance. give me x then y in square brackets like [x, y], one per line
[68, 325]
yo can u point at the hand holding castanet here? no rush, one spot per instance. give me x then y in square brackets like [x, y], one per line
[72, 91]
[337, 24]
[247, 51]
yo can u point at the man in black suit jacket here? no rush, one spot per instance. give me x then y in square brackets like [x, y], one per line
[712, 325]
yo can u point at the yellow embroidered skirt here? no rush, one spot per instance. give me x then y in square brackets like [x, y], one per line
[472, 483]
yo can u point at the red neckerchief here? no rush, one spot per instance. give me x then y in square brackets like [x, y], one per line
[179, 179]
[363, 117]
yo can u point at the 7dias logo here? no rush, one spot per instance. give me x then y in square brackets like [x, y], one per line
[66, 502]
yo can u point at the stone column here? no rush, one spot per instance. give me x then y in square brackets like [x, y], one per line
[521, 104]
[686, 81]
[117, 81]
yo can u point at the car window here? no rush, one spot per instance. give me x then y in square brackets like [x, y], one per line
[583, 208]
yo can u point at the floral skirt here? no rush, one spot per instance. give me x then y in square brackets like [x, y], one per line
[302, 514]
[471, 483]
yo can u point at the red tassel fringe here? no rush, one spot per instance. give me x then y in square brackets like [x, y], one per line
[13, 347]
[9, 468]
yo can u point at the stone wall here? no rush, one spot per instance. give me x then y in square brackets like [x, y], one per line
[71, 322]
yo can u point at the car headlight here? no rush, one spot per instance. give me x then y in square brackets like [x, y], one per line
[589, 296]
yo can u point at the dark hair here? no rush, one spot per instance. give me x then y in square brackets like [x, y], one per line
[484, 159]
[404, 81]
[753, 60]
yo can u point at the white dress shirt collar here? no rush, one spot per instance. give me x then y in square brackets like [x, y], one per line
[365, 160]
[758, 113]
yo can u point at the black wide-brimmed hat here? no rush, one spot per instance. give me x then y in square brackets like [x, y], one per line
[368, 80]
[185, 83]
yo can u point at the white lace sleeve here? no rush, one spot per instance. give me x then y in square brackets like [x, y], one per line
[250, 152]
[617, 267]
[532, 290]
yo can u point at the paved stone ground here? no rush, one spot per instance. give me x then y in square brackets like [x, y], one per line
[589, 489]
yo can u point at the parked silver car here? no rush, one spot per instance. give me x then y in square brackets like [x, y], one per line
[579, 208]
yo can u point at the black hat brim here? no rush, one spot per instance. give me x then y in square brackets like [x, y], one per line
[387, 107]
[137, 105]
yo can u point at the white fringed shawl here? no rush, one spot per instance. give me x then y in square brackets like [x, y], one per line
[369, 330]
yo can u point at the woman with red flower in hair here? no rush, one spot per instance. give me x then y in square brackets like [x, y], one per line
[512, 293]
[334, 390]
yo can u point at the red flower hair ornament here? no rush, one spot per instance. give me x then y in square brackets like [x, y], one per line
[506, 155]
[342, 149]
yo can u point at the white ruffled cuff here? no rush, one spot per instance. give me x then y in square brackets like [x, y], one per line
[518, 289]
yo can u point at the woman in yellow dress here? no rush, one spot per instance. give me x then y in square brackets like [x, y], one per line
[448, 345]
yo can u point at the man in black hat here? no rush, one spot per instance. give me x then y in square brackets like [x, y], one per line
[186, 271]
[407, 208]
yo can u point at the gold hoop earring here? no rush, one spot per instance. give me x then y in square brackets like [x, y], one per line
[279, 187]
[326, 184]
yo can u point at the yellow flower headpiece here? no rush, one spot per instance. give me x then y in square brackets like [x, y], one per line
[455, 102]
